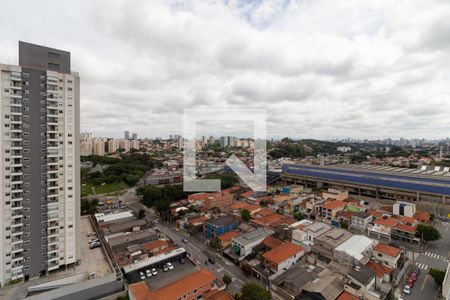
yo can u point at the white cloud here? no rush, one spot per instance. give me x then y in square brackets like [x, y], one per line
[321, 68]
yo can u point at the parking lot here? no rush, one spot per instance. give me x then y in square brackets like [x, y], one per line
[92, 260]
[164, 278]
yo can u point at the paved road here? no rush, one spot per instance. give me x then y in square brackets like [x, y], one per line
[197, 249]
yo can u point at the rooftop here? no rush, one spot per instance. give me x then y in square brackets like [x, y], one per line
[407, 228]
[272, 242]
[332, 205]
[379, 269]
[388, 222]
[222, 221]
[175, 289]
[283, 252]
[356, 246]
[387, 249]
[362, 274]
[253, 236]
[227, 236]
[347, 296]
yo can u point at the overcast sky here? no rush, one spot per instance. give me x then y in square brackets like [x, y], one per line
[322, 69]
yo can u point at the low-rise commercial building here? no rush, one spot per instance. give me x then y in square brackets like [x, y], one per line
[357, 249]
[325, 244]
[215, 227]
[242, 246]
[283, 257]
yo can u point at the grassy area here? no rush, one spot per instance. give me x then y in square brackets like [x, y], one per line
[88, 189]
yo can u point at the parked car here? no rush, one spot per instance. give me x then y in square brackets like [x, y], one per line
[148, 273]
[94, 245]
[165, 268]
[413, 278]
[141, 274]
[170, 266]
[182, 261]
[92, 275]
[93, 240]
[410, 284]
[407, 290]
[154, 272]
[211, 260]
[91, 233]
[184, 241]
[410, 281]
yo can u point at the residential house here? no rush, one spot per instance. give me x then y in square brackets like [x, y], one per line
[402, 208]
[363, 280]
[225, 239]
[306, 235]
[402, 233]
[360, 222]
[383, 273]
[382, 229]
[282, 257]
[328, 210]
[387, 255]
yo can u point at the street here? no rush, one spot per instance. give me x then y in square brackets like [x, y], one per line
[194, 247]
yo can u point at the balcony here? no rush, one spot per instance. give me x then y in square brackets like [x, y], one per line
[16, 94]
[15, 76]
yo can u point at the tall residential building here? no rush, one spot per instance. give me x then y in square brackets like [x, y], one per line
[40, 188]
[134, 136]
[134, 144]
[98, 147]
[124, 144]
[126, 135]
[113, 146]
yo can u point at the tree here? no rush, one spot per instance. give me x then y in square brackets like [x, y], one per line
[226, 279]
[299, 216]
[427, 233]
[437, 275]
[141, 214]
[245, 215]
[214, 243]
[88, 207]
[253, 291]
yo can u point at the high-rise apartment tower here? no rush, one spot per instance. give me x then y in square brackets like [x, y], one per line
[40, 173]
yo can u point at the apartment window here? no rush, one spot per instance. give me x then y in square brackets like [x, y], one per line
[53, 55]
[53, 66]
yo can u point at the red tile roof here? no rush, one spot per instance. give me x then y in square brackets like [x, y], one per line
[272, 242]
[379, 269]
[387, 249]
[375, 213]
[422, 216]
[346, 296]
[334, 205]
[139, 290]
[238, 205]
[283, 252]
[389, 222]
[405, 219]
[246, 194]
[407, 228]
[182, 286]
[226, 237]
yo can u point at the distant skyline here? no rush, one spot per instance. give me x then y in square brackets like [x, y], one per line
[322, 69]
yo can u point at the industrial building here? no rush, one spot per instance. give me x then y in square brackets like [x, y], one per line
[375, 181]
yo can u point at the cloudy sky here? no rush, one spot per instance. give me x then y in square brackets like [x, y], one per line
[322, 69]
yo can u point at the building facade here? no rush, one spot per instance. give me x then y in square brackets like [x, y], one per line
[40, 164]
